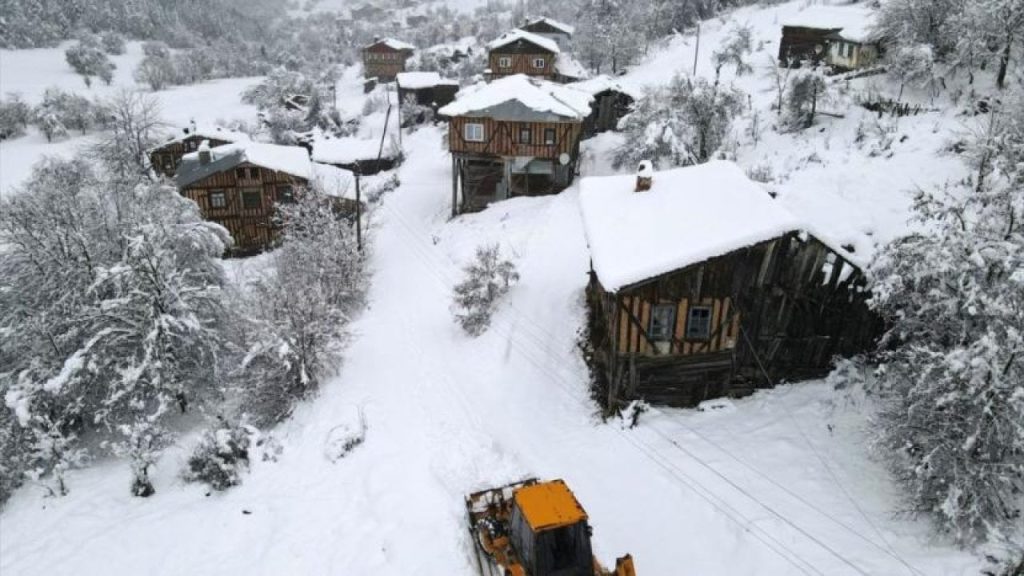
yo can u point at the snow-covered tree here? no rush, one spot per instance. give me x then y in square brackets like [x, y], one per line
[221, 456]
[88, 59]
[15, 115]
[951, 365]
[113, 43]
[734, 50]
[300, 310]
[608, 33]
[988, 32]
[805, 90]
[680, 124]
[156, 71]
[487, 278]
[911, 64]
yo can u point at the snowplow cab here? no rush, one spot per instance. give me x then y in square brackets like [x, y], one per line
[549, 531]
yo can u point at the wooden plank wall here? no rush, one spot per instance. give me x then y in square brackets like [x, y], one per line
[635, 316]
[522, 63]
[252, 229]
[501, 138]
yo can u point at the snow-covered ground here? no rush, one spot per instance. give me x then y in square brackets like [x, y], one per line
[776, 484]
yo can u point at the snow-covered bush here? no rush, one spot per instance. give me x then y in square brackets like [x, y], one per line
[680, 124]
[15, 115]
[805, 90]
[88, 59]
[110, 311]
[61, 111]
[345, 437]
[280, 85]
[220, 458]
[951, 365]
[299, 312]
[157, 71]
[113, 43]
[414, 114]
[486, 279]
[734, 49]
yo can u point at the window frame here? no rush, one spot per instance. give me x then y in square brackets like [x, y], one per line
[219, 193]
[504, 61]
[688, 330]
[466, 132]
[553, 141]
[246, 192]
[543, 63]
[528, 131]
[667, 332]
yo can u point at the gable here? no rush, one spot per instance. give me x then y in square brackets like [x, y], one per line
[542, 27]
[522, 46]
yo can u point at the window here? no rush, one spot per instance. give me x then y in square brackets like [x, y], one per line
[663, 318]
[250, 173]
[285, 194]
[525, 135]
[549, 136]
[474, 133]
[218, 199]
[504, 62]
[698, 323]
[252, 199]
[849, 50]
[538, 62]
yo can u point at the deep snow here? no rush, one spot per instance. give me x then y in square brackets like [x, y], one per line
[776, 484]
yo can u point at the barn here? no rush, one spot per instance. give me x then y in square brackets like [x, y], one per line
[240, 185]
[516, 136]
[426, 89]
[703, 285]
[166, 157]
[613, 99]
[385, 58]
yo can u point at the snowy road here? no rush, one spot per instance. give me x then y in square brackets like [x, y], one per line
[757, 488]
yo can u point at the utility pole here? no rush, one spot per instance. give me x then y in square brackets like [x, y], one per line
[696, 50]
[359, 211]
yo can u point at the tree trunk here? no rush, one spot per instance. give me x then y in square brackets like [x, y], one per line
[1004, 62]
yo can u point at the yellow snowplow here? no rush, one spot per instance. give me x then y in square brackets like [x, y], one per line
[533, 528]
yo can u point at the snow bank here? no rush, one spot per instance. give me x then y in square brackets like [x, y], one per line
[517, 34]
[535, 94]
[689, 215]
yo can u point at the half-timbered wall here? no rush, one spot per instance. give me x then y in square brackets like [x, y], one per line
[253, 228]
[501, 138]
[521, 63]
[781, 309]
[166, 158]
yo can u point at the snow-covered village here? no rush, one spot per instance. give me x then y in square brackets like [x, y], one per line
[512, 287]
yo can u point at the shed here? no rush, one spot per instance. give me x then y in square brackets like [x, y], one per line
[703, 285]
[839, 36]
[427, 88]
[613, 99]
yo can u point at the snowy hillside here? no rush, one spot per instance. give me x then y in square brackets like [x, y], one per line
[779, 483]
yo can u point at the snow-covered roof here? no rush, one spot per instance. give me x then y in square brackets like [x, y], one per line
[689, 215]
[348, 150]
[293, 160]
[554, 24]
[603, 83]
[533, 93]
[417, 80]
[570, 67]
[208, 132]
[854, 22]
[334, 181]
[518, 34]
[393, 44]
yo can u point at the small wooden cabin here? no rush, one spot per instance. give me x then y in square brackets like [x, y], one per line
[240, 185]
[386, 58]
[426, 89]
[702, 285]
[516, 136]
[837, 36]
[613, 99]
[166, 157]
[365, 156]
[522, 52]
[552, 29]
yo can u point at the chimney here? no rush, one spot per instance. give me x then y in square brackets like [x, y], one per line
[192, 125]
[644, 176]
[376, 38]
[204, 153]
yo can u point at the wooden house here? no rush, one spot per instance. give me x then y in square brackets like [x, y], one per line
[522, 52]
[512, 137]
[240, 185]
[840, 37]
[385, 58]
[613, 99]
[426, 89]
[552, 29]
[702, 285]
[166, 157]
